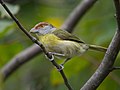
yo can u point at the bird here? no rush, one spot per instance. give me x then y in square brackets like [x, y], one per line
[61, 43]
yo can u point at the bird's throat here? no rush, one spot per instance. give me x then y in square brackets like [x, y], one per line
[49, 39]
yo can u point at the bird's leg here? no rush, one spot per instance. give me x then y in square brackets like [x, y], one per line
[57, 54]
[61, 66]
[66, 60]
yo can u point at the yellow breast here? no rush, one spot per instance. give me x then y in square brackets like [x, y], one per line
[68, 48]
[49, 39]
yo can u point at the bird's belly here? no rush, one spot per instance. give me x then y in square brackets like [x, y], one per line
[67, 48]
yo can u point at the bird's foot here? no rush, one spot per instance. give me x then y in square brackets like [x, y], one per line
[50, 59]
[61, 68]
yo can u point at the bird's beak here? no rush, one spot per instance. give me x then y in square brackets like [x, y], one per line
[33, 30]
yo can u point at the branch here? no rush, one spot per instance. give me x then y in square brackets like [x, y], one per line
[77, 14]
[109, 58]
[20, 59]
[95, 63]
[32, 51]
[50, 57]
[117, 6]
[115, 68]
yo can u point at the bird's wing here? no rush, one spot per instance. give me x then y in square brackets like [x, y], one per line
[64, 35]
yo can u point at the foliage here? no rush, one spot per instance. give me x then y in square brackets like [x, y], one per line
[96, 27]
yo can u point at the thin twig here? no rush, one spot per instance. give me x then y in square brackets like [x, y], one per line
[109, 58]
[115, 68]
[38, 43]
[20, 59]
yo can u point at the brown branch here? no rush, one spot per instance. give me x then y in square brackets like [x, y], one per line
[109, 58]
[20, 59]
[34, 50]
[38, 43]
[95, 62]
[77, 14]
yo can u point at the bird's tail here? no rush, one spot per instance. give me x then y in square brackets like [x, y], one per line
[98, 48]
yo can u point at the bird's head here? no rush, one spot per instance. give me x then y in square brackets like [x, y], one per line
[42, 28]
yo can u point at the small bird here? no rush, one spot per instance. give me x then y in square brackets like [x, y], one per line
[60, 42]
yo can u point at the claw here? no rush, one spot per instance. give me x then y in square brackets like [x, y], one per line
[50, 59]
[61, 68]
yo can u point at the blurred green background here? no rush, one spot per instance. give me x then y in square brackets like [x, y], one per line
[96, 27]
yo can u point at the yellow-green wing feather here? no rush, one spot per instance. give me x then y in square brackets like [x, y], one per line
[64, 35]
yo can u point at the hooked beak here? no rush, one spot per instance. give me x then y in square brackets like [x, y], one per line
[33, 30]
